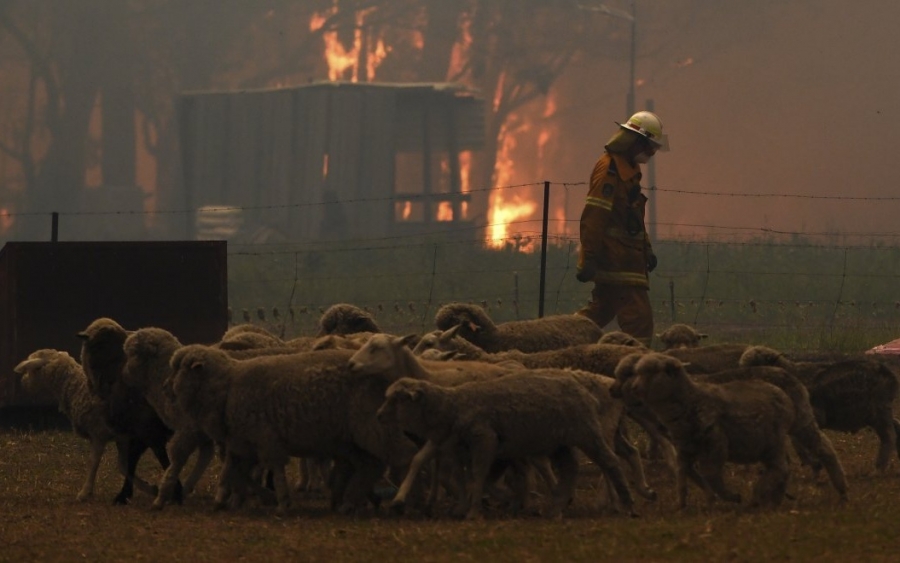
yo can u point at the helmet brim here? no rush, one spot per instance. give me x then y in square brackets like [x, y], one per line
[662, 143]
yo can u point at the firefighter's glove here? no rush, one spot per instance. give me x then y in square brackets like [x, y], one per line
[651, 262]
[586, 272]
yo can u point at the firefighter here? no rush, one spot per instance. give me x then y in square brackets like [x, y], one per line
[615, 250]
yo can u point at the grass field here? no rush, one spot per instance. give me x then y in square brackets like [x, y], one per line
[41, 472]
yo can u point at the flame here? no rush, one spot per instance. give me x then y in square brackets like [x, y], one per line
[341, 60]
[461, 50]
[405, 210]
[506, 208]
[445, 211]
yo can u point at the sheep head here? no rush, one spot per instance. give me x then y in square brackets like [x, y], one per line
[659, 377]
[345, 318]
[625, 374]
[620, 338]
[403, 404]
[764, 356]
[680, 336]
[472, 320]
[441, 340]
[103, 354]
[382, 353]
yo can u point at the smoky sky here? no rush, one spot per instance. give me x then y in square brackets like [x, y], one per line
[800, 98]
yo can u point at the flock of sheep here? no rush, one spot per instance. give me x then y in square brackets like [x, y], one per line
[486, 410]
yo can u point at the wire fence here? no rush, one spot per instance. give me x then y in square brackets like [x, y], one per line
[800, 290]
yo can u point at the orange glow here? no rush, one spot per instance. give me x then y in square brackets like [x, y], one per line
[445, 211]
[6, 220]
[505, 206]
[461, 50]
[503, 212]
[341, 60]
[406, 212]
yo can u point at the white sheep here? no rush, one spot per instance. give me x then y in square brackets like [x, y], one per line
[745, 422]
[532, 335]
[148, 352]
[384, 352]
[271, 408]
[680, 335]
[518, 416]
[57, 373]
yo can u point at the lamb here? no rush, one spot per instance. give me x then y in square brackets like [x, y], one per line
[517, 416]
[846, 395]
[813, 447]
[680, 335]
[273, 407]
[128, 413]
[148, 352]
[390, 353]
[59, 374]
[745, 422]
[344, 319]
[534, 335]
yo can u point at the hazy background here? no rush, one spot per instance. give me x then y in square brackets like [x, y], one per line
[758, 97]
[782, 97]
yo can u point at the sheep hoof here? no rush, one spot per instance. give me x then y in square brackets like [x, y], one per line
[120, 500]
[398, 507]
[158, 504]
[83, 497]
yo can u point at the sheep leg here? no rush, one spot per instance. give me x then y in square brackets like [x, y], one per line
[566, 466]
[368, 471]
[687, 470]
[658, 436]
[484, 451]
[180, 448]
[817, 443]
[598, 451]
[770, 489]
[282, 492]
[224, 487]
[887, 438]
[627, 450]
[97, 449]
[205, 453]
[713, 467]
[162, 456]
[129, 452]
[426, 453]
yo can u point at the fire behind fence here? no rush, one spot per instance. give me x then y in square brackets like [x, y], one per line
[799, 290]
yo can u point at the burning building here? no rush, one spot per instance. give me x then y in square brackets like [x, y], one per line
[333, 160]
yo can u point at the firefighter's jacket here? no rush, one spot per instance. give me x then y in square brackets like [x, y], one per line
[613, 233]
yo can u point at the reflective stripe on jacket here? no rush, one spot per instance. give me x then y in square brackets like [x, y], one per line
[613, 233]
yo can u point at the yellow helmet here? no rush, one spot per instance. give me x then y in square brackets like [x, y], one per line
[647, 124]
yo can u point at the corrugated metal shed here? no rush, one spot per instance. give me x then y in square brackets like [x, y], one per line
[321, 161]
[49, 291]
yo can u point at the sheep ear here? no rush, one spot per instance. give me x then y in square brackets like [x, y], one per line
[196, 365]
[29, 365]
[450, 333]
[82, 335]
[409, 338]
[474, 327]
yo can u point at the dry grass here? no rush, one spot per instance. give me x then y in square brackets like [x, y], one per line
[40, 473]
